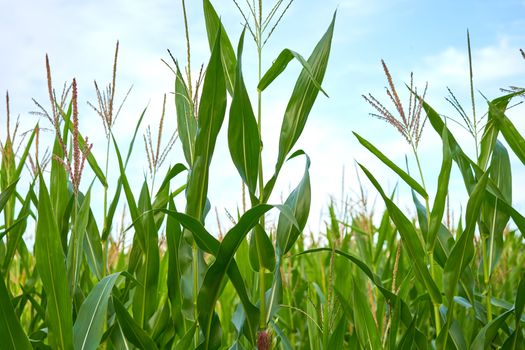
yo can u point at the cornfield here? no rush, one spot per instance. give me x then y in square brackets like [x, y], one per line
[399, 282]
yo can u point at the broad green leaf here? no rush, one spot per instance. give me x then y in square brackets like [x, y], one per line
[50, 262]
[227, 54]
[135, 334]
[410, 241]
[303, 97]
[89, 325]
[463, 250]
[491, 129]
[299, 203]
[6, 194]
[243, 134]
[186, 119]
[493, 217]
[489, 331]
[405, 314]
[262, 253]
[402, 174]
[280, 64]
[11, 332]
[210, 244]
[211, 115]
[438, 209]
[187, 339]
[461, 159]
[209, 292]
[507, 128]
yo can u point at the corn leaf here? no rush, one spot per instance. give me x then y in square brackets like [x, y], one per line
[211, 115]
[402, 174]
[11, 332]
[410, 240]
[89, 325]
[227, 54]
[243, 134]
[50, 262]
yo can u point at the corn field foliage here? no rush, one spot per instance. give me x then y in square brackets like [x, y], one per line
[400, 282]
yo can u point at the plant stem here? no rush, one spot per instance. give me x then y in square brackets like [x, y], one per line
[262, 289]
[195, 290]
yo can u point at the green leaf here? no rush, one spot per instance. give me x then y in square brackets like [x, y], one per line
[463, 250]
[50, 262]
[438, 209]
[303, 97]
[6, 194]
[508, 130]
[243, 134]
[186, 341]
[209, 292]
[211, 115]
[11, 332]
[402, 174]
[489, 331]
[262, 253]
[280, 64]
[491, 129]
[145, 298]
[89, 325]
[227, 55]
[494, 218]
[136, 335]
[410, 241]
[461, 159]
[299, 203]
[186, 120]
[366, 328]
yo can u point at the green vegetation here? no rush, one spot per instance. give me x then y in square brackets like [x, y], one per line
[397, 283]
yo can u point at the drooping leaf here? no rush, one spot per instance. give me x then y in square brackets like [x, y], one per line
[410, 241]
[402, 174]
[280, 64]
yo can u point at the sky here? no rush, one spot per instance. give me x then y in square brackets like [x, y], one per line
[427, 38]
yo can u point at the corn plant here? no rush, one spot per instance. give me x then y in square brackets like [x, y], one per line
[394, 283]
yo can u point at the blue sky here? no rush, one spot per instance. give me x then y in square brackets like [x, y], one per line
[426, 37]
